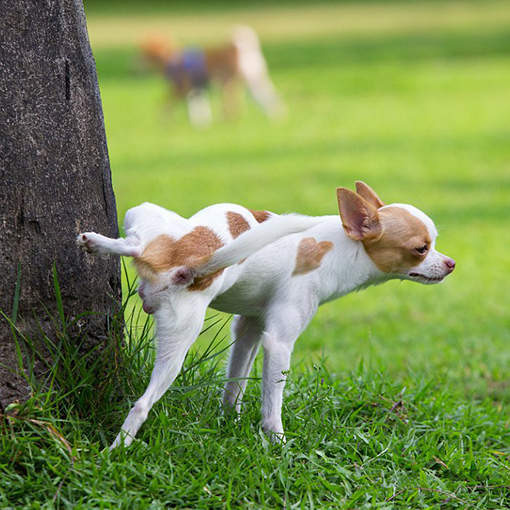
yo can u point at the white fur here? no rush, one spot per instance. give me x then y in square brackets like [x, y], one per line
[253, 69]
[199, 109]
[272, 305]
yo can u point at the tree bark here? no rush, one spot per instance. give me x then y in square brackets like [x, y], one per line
[55, 179]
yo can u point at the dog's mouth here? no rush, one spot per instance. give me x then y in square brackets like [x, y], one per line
[426, 279]
[149, 305]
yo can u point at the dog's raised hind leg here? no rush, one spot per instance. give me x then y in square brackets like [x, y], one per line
[97, 243]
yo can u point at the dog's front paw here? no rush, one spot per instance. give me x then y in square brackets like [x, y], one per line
[277, 437]
[88, 241]
[275, 433]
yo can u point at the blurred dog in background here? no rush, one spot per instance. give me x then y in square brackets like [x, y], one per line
[233, 66]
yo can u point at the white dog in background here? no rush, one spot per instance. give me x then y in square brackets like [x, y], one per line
[271, 271]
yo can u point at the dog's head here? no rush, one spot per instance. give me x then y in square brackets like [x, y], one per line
[156, 52]
[399, 239]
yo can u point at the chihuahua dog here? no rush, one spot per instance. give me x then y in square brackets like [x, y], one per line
[271, 271]
[230, 66]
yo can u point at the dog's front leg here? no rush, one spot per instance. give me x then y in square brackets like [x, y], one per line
[199, 109]
[283, 328]
[277, 355]
[177, 328]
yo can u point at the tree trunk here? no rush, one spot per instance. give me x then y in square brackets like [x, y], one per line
[55, 179]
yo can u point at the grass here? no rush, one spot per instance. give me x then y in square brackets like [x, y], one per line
[398, 395]
[355, 440]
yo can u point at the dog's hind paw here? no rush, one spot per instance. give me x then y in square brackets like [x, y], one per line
[88, 241]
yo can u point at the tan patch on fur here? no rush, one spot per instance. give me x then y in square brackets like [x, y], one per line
[260, 216]
[222, 62]
[310, 254]
[236, 224]
[205, 281]
[158, 50]
[394, 251]
[165, 252]
[365, 191]
[359, 218]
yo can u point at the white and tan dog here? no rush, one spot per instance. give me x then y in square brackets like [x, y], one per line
[271, 271]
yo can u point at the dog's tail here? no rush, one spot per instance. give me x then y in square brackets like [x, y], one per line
[244, 37]
[253, 70]
[252, 241]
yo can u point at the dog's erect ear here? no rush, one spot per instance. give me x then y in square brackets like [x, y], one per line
[365, 191]
[360, 218]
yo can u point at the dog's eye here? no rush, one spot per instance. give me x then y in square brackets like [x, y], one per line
[422, 249]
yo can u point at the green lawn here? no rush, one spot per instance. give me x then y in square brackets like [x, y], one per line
[422, 118]
[399, 394]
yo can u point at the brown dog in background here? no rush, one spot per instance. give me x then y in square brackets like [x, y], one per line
[232, 66]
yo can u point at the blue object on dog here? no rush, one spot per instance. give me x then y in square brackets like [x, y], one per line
[190, 65]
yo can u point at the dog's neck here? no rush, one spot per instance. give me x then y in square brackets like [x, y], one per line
[347, 267]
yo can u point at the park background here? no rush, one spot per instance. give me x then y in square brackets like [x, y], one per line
[410, 97]
[398, 396]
